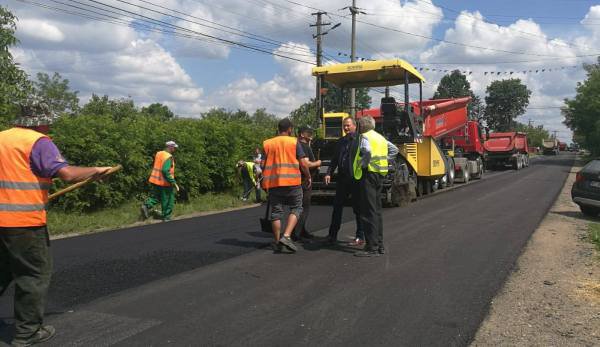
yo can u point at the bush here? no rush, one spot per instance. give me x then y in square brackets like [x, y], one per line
[205, 161]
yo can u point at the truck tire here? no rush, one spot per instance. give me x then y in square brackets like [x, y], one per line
[526, 160]
[419, 187]
[479, 165]
[515, 164]
[466, 173]
[450, 174]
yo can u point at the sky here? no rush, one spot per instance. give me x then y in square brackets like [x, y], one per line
[194, 55]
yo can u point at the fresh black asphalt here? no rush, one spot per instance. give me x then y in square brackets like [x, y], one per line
[210, 280]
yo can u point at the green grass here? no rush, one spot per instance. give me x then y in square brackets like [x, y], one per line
[594, 231]
[67, 223]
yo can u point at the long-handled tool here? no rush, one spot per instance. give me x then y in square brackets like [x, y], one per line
[77, 185]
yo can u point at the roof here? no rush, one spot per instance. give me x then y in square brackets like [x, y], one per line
[377, 73]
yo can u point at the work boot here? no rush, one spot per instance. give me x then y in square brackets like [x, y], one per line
[145, 212]
[381, 250]
[43, 334]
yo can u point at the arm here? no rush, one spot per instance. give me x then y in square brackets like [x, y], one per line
[304, 167]
[365, 151]
[392, 150]
[165, 171]
[77, 173]
[46, 161]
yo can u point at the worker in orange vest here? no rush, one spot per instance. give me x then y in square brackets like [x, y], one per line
[163, 182]
[28, 162]
[284, 158]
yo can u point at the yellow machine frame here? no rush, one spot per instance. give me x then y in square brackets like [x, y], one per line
[424, 156]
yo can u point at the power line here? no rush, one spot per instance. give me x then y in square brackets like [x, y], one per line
[191, 33]
[435, 39]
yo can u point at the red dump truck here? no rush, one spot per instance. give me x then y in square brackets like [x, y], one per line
[562, 146]
[507, 149]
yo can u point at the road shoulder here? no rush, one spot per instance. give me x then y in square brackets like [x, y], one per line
[553, 296]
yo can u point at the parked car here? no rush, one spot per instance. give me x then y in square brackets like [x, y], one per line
[586, 189]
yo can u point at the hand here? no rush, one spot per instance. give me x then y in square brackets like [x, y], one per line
[309, 183]
[176, 188]
[327, 179]
[100, 172]
[318, 163]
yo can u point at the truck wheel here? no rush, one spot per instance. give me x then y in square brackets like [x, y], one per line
[419, 188]
[515, 164]
[450, 174]
[526, 160]
[479, 165]
[466, 173]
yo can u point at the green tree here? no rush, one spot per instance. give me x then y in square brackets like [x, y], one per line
[56, 93]
[581, 113]
[305, 115]
[535, 135]
[14, 83]
[334, 101]
[118, 109]
[159, 111]
[456, 85]
[505, 101]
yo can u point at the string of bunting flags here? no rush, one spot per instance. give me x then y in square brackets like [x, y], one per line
[422, 67]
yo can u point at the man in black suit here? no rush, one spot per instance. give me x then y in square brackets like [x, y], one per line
[345, 184]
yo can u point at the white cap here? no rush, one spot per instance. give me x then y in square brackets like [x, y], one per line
[171, 144]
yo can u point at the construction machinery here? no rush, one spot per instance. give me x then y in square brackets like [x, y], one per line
[550, 146]
[507, 149]
[414, 127]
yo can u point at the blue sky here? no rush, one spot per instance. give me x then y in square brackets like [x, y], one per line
[191, 75]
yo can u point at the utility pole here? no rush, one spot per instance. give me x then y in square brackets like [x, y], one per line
[354, 12]
[318, 36]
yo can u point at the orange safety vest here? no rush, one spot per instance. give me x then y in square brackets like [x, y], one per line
[156, 176]
[282, 168]
[23, 195]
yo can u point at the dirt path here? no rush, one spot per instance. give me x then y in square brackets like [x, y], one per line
[553, 296]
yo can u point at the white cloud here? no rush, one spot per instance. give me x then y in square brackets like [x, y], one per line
[280, 95]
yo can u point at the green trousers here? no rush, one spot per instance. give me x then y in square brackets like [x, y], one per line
[25, 260]
[166, 197]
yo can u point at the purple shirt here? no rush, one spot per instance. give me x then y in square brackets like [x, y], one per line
[45, 159]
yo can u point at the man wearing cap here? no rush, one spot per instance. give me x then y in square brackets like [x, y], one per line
[163, 183]
[28, 162]
[305, 135]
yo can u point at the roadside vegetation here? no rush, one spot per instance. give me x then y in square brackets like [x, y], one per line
[594, 234]
[581, 112]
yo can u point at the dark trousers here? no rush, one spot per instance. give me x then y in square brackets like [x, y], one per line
[370, 186]
[345, 186]
[301, 226]
[25, 259]
[248, 186]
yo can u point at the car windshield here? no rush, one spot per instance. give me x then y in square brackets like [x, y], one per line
[593, 166]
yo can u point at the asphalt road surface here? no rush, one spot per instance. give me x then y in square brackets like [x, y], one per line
[211, 280]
